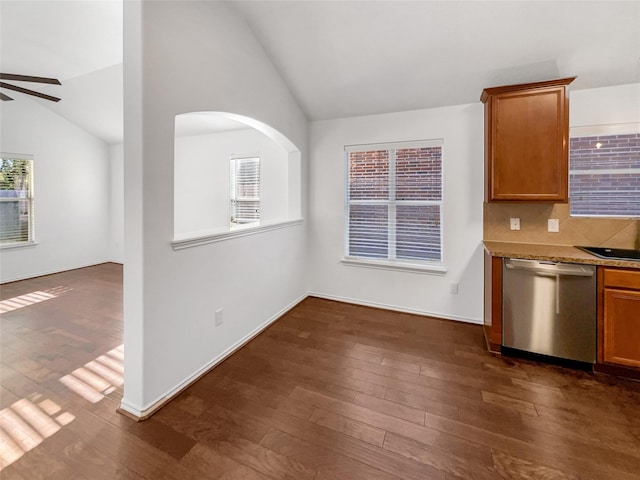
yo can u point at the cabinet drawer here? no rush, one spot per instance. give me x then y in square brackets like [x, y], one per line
[622, 278]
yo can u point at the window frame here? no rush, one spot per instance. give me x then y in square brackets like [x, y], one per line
[233, 188]
[601, 131]
[392, 262]
[30, 201]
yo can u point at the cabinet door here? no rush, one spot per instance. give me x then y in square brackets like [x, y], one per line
[622, 327]
[529, 155]
[493, 301]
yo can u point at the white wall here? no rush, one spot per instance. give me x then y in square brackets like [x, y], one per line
[209, 62]
[116, 203]
[202, 179]
[605, 106]
[461, 127]
[71, 187]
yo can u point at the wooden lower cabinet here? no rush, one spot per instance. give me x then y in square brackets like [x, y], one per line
[619, 317]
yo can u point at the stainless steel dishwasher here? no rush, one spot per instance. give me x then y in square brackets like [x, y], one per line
[550, 308]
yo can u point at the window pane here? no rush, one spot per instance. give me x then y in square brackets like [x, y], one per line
[15, 176]
[368, 231]
[15, 200]
[245, 190]
[394, 199]
[419, 174]
[247, 178]
[605, 175]
[369, 175]
[14, 220]
[418, 232]
[246, 211]
[606, 195]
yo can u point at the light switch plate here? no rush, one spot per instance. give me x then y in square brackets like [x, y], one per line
[553, 225]
[514, 223]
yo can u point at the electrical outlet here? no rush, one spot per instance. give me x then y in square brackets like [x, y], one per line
[453, 288]
[514, 223]
[218, 317]
[553, 225]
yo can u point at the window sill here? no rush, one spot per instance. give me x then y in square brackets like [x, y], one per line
[604, 216]
[195, 241]
[18, 246]
[434, 268]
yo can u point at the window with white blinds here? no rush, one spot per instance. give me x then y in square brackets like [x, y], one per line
[16, 200]
[604, 173]
[245, 191]
[393, 207]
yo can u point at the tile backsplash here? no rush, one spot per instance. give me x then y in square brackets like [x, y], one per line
[606, 232]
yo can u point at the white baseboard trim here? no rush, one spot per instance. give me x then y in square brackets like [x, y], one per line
[139, 413]
[396, 308]
[50, 272]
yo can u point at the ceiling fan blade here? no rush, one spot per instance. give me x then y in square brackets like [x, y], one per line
[4, 97]
[29, 92]
[28, 78]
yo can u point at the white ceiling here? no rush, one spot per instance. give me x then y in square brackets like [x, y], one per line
[62, 39]
[94, 101]
[342, 58]
[80, 44]
[348, 58]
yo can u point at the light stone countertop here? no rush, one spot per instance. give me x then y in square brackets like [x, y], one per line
[553, 253]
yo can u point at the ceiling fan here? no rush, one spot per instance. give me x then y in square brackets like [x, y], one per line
[26, 78]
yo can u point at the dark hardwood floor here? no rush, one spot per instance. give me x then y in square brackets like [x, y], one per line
[329, 392]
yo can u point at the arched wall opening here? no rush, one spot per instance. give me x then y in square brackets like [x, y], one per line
[231, 173]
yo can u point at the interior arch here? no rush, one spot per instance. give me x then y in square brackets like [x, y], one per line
[206, 145]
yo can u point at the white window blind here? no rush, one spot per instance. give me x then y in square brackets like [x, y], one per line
[16, 199]
[245, 191]
[394, 202]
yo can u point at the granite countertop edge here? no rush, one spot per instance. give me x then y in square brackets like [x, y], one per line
[553, 253]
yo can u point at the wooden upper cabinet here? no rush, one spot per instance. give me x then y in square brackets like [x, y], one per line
[527, 142]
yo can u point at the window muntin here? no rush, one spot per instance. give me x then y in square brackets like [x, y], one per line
[394, 202]
[245, 191]
[16, 200]
[604, 175]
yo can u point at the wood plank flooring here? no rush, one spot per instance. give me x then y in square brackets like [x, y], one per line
[329, 392]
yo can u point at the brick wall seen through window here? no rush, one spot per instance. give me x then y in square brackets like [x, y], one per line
[604, 175]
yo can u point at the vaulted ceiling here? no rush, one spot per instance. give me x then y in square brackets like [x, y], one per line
[80, 44]
[348, 58]
[343, 58]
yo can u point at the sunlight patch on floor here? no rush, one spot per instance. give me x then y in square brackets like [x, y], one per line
[98, 377]
[29, 421]
[26, 423]
[32, 298]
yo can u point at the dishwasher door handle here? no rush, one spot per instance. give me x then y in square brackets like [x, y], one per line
[546, 269]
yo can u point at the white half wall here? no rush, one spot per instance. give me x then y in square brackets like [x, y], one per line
[461, 128]
[71, 191]
[210, 61]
